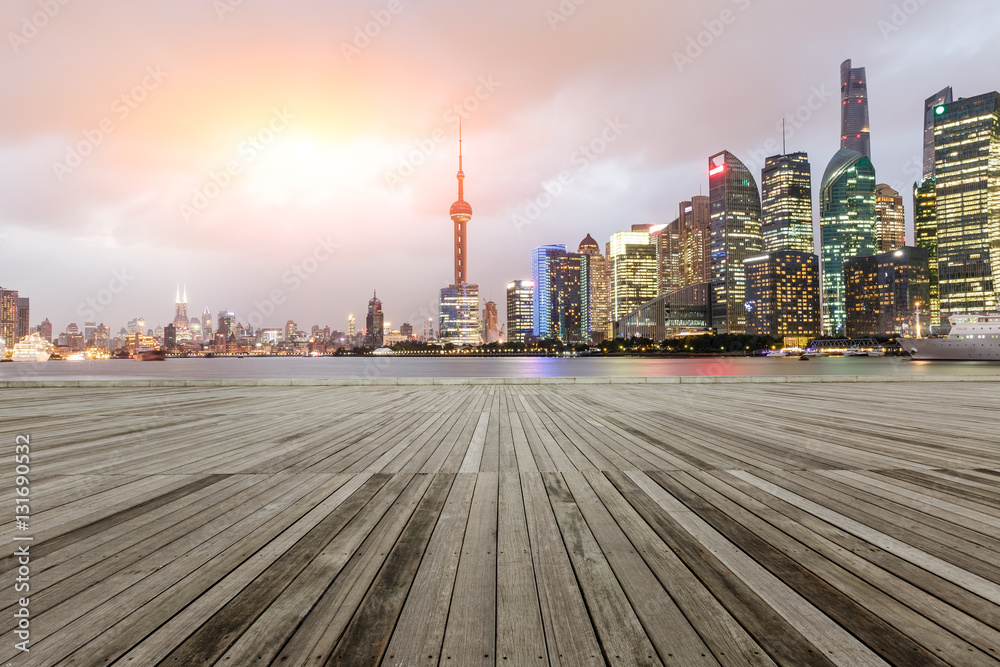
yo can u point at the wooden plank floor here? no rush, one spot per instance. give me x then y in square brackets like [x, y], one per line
[510, 524]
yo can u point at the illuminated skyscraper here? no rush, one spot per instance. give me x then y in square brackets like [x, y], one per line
[925, 229]
[696, 241]
[291, 328]
[182, 327]
[967, 200]
[634, 273]
[883, 292]
[854, 129]
[786, 203]
[599, 288]
[736, 236]
[351, 325]
[520, 310]
[8, 317]
[458, 307]
[783, 294]
[667, 240]
[891, 233]
[542, 260]
[374, 323]
[930, 104]
[847, 227]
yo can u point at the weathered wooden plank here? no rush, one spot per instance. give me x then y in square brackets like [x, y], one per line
[368, 634]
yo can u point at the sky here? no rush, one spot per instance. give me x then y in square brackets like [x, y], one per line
[284, 160]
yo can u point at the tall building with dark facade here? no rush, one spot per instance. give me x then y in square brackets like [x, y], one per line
[786, 203]
[736, 236]
[847, 227]
[939, 98]
[45, 330]
[561, 301]
[854, 130]
[925, 230]
[543, 258]
[783, 294]
[599, 288]
[23, 317]
[967, 203]
[695, 218]
[520, 311]
[491, 324]
[891, 232]
[884, 292]
[375, 323]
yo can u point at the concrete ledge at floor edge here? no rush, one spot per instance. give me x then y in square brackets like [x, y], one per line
[466, 381]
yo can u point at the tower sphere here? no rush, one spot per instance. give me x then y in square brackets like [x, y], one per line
[461, 211]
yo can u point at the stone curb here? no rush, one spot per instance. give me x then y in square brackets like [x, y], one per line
[393, 382]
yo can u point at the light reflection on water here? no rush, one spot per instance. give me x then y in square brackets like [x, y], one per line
[374, 367]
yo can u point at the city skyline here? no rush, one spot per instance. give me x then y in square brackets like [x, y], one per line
[323, 208]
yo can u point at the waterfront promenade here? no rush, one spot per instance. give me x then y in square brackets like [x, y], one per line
[712, 521]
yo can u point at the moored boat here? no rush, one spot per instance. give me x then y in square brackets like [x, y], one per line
[32, 348]
[972, 338]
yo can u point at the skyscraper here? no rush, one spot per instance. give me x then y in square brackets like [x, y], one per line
[786, 203]
[939, 98]
[542, 260]
[633, 271]
[182, 327]
[520, 310]
[891, 233]
[783, 294]
[847, 227]
[925, 229]
[491, 322]
[458, 307]
[8, 316]
[374, 323]
[351, 325]
[45, 329]
[207, 332]
[736, 236]
[599, 288]
[854, 129]
[23, 317]
[667, 239]
[696, 241]
[967, 200]
[884, 290]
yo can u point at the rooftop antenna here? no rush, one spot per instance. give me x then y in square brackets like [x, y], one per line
[783, 136]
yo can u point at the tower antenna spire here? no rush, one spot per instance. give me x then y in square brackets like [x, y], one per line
[783, 137]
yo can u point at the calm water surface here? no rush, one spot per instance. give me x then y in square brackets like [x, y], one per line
[373, 367]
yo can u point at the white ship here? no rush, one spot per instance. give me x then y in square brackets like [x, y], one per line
[32, 348]
[972, 338]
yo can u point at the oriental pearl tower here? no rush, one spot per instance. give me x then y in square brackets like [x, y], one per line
[458, 308]
[461, 213]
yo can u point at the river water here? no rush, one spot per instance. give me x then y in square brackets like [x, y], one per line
[375, 367]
